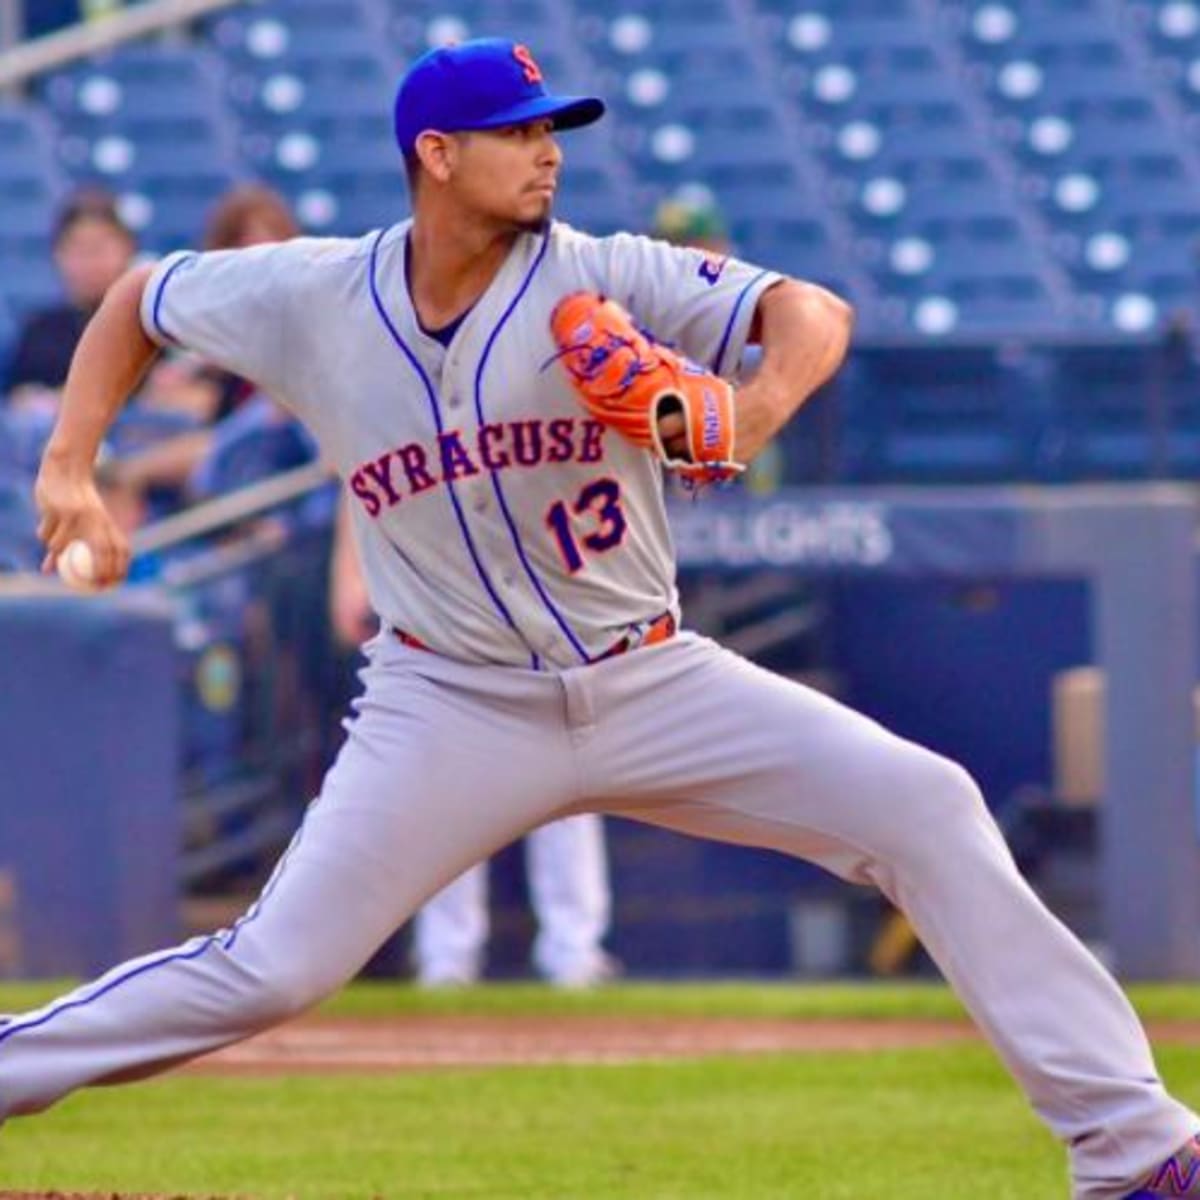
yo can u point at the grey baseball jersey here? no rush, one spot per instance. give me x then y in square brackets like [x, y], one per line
[496, 521]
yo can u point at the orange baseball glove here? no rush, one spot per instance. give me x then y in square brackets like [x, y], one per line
[630, 382]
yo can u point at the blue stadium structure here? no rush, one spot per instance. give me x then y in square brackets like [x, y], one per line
[1009, 191]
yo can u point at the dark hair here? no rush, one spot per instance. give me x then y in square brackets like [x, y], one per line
[90, 204]
[239, 207]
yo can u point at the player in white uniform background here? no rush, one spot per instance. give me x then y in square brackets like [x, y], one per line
[516, 548]
[566, 871]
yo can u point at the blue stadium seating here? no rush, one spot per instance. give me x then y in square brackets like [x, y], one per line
[972, 173]
[19, 547]
[23, 434]
[959, 413]
[1127, 410]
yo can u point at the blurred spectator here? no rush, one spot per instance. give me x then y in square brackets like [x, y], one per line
[94, 9]
[691, 217]
[247, 215]
[92, 248]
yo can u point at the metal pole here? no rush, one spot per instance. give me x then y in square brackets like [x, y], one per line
[91, 37]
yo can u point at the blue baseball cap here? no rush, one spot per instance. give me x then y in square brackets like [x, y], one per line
[481, 84]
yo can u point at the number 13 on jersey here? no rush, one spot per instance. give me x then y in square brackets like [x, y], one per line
[594, 521]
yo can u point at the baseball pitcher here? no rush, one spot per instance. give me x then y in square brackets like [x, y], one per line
[502, 395]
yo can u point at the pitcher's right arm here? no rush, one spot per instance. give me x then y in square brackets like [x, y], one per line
[113, 355]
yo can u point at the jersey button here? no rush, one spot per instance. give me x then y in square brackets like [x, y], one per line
[453, 402]
[509, 577]
[480, 504]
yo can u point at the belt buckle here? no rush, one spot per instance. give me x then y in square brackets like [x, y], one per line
[637, 634]
[641, 633]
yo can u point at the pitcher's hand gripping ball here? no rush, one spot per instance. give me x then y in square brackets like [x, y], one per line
[630, 383]
[77, 567]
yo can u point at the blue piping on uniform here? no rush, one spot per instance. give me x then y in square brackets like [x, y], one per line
[716, 364]
[179, 956]
[437, 417]
[16, 1025]
[512, 528]
[271, 884]
[158, 296]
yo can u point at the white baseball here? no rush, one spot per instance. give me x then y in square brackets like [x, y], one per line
[77, 567]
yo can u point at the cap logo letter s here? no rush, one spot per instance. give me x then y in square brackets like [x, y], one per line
[530, 69]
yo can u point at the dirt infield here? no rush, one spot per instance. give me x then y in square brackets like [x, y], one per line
[319, 1045]
[420, 1043]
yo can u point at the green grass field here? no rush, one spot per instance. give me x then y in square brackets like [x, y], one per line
[943, 1122]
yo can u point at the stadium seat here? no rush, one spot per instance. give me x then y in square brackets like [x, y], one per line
[1127, 409]
[589, 200]
[346, 88]
[941, 413]
[690, 94]
[8, 333]
[28, 284]
[19, 547]
[347, 204]
[23, 436]
[283, 32]
[151, 82]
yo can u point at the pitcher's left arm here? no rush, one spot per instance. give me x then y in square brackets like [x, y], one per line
[804, 332]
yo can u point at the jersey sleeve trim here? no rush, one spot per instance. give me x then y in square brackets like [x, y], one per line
[152, 298]
[735, 334]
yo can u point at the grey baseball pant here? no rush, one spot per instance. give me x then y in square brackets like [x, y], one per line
[445, 762]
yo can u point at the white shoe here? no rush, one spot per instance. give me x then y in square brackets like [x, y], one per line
[446, 975]
[590, 972]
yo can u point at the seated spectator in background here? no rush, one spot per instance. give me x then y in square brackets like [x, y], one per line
[92, 248]
[92, 10]
[691, 218]
[248, 215]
